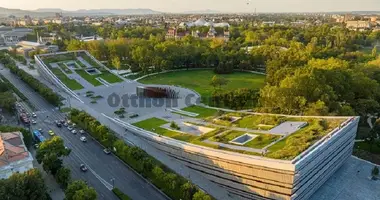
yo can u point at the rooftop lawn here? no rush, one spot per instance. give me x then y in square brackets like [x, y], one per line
[199, 80]
[58, 58]
[89, 60]
[65, 68]
[260, 122]
[88, 77]
[202, 111]
[261, 141]
[109, 77]
[286, 149]
[70, 83]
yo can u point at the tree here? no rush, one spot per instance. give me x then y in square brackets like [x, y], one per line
[116, 62]
[78, 190]
[63, 176]
[374, 52]
[217, 81]
[50, 153]
[201, 196]
[187, 191]
[24, 186]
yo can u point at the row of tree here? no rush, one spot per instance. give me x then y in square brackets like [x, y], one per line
[50, 154]
[40, 88]
[173, 185]
[7, 99]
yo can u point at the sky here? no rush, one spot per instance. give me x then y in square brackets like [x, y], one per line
[196, 5]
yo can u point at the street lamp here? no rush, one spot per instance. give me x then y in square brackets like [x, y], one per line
[113, 182]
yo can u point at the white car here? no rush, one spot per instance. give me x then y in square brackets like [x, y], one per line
[34, 122]
[81, 131]
[34, 115]
[83, 139]
[74, 131]
[70, 128]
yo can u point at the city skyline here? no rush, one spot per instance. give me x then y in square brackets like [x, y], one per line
[176, 6]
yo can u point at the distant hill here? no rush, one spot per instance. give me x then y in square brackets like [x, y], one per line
[46, 12]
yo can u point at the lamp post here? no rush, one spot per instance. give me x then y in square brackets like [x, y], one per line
[113, 182]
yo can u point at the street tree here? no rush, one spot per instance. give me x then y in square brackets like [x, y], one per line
[63, 176]
[50, 154]
[78, 190]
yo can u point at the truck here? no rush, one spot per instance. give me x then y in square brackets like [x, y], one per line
[24, 118]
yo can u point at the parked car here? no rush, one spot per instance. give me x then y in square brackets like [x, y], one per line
[65, 124]
[51, 133]
[107, 151]
[74, 131]
[59, 125]
[81, 131]
[70, 128]
[34, 121]
[83, 139]
[34, 115]
[83, 168]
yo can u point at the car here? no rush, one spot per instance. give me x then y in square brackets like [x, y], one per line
[74, 131]
[70, 128]
[28, 114]
[36, 146]
[83, 139]
[81, 131]
[59, 125]
[34, 115]
[62, 121]
[74, 125]
[65, 124]
[40, 130]
[34, 121]
[51, 132]
[83, 168]
[107, 151]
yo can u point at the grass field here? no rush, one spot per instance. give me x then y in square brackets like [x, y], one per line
[72, 84]
[199, 80]
[89, 78]
[109, 77]
[65, 68]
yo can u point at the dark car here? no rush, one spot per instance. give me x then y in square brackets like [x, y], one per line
[59, 125]
[83, 168]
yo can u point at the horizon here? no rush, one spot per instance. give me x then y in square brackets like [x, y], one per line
[223, 6]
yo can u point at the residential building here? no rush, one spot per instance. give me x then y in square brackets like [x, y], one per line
[14, 156]
[358, 25]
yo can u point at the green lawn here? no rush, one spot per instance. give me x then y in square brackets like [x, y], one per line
[199, 80]
[261, 141]
[71, 83]
[65, 68]
[262, 122]
[202, 111]
[89, 60]
[88, 77]
[109, 77]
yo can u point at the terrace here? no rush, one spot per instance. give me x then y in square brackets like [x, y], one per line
[282, 138]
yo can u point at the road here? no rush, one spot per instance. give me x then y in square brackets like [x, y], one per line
[102, 167]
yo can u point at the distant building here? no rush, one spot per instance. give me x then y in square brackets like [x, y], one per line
[203, 22]
[358, 25]
[268, 23]
[89, 38]
[14, 156]
[11, 36]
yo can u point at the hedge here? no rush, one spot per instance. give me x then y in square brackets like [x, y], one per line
[120, 194]
[173, 185]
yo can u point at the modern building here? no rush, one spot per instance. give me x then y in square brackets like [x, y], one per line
[14, 156]
[260, 177]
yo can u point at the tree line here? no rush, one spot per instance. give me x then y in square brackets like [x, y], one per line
[37, 86]
[173, 185]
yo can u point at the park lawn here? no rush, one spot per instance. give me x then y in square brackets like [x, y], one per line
[202, 111]
[65, 68]
[71, 83]
[199, 80]
[88, 77]
[110, 77]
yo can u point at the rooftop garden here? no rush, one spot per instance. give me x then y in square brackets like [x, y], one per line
[286, 149]
[70, 83]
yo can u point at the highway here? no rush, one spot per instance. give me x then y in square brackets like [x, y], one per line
[103, 169]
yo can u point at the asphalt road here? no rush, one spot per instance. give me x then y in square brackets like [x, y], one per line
[102, 167]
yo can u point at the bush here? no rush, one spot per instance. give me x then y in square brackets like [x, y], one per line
[173, 125]
[120, 194]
